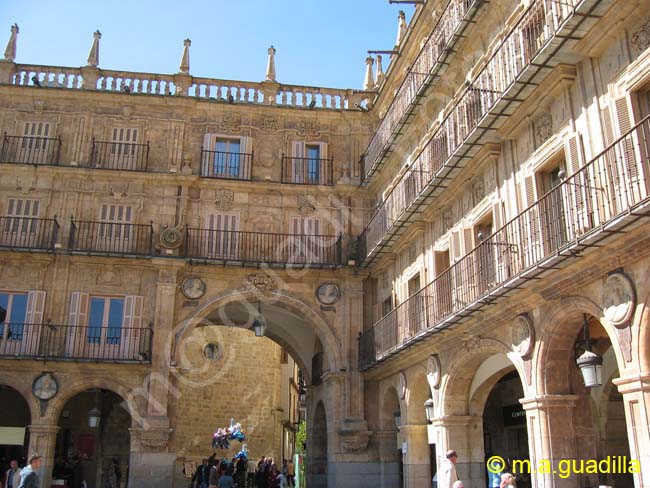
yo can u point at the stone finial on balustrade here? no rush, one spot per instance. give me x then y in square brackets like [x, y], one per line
[401, 27]
[10, 51]
[185, 60]
[93, 55]
[379, 73]
[270, 67]
[369, 80]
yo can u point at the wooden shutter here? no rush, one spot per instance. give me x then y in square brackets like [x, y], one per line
[497, 216]
[223, 241]
[36, 129]
[35, 307]
[298, 172]
[532, 233]
[125, 135]
[575, 195]
[131, 325]
[627, 152]
[246, 162]
[455, 246]
[78, 319]
[22, 208]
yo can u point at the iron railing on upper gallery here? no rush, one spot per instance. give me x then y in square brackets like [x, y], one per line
[610, 186]
[28, 233]
[307, 171]
[259, 247]
[30, 150]
[226, 165]
[66, 342]
[125, 156]
[432, 58]
[109, 238]
[534, 31]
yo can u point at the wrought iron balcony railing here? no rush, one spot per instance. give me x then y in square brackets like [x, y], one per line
[432, 60]
[257, 247]
[584, 209]
[30, 150]
[124, 156]
[111, 239]
[307, 171]
[28, 233]
[482, 106]
[226, 165]
[66, 342]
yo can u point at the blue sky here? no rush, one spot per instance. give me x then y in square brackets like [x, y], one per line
[318, 42]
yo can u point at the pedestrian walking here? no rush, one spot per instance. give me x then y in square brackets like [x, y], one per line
[291, 474]
[29, 475]
[447, 474]
[12, 475]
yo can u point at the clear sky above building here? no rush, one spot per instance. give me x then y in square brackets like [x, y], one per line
[318, 42]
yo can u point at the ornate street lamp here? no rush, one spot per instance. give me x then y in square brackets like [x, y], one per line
[428, 409]
[259, 324]
[95, 414]
[590, 363]
[398, 418]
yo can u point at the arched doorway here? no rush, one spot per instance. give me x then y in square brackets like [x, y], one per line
[318, 451]
[594, 424]
[93, 443]
[14, 431]
[299, 330]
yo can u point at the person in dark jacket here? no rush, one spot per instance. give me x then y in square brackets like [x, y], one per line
[29, 475]
[202, 476]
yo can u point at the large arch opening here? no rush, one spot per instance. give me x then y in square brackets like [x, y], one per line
[93, 441]
[484, 388]
[598, 418]
[279, 371]
[14, 428]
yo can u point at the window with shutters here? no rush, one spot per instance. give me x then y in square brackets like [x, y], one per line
[114, 231]
[306, 240]
[226, 157]
[554, 205]
[13, 306]
[105, 321]
[443, 284]
[309, 163]
[21, 216]
[124, 149]
[485, 254]
[222, 240]
[36, 143]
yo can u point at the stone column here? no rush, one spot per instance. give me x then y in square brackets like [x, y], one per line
[551, 437]
[42, 441]
[453, 432]
[151, 463]
[417, 470]
[387, 443]
[636, 396]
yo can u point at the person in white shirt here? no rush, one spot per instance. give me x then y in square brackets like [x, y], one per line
[447, 476]
[12, 475]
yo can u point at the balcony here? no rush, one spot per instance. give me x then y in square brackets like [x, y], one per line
[111, 239]
[519, 64]
[22, 233]
[41, 151]
[431, 62]
[119, 156]
[307, 171]
[602, 199]
[226, 165]
[65, 342]
[254, 248]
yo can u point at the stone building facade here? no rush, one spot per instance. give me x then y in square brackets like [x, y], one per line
[435, 252]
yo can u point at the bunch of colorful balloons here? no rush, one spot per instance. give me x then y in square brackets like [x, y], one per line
[222, 437]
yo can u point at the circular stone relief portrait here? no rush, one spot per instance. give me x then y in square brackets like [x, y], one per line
[193, 288]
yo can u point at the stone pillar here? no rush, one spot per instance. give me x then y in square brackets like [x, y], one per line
[42, 441]
[551, 437]
[417, 470]
[151, 463]
[90, 75]
[636, 396]
[453, 432]
[7, 70]
[387, 443]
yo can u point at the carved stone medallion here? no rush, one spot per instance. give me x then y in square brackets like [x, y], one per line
[193, 288]
[306, 204]
[401, 385]
[523, 335]
[618, 299]
[328, 293]
[543, 128]
[171, 238]
[224, 199]
[641, 38]
[45, 387]
[434, 371]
